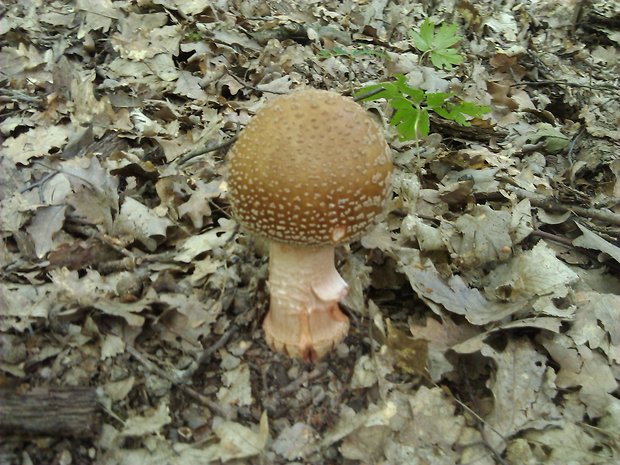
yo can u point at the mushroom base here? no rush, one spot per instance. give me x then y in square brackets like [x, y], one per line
[304, 320]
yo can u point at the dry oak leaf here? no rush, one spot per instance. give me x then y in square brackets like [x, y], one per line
[583, 367]
[187, 7]
[591, 240]
[152, 422]
[597, 323]
[210, 240]
[37, 142]
[95, 14]
[236, 389]
[482, 237]
[140, 223]
[454, 294]
[523, 392]
[435, 427]
[188, 85]
[45, 224]
[536, 272]
[238, 441]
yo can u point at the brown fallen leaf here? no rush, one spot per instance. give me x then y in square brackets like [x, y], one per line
[410, 354]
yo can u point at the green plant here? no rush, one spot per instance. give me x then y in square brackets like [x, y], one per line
[437, 44]
[412, 106]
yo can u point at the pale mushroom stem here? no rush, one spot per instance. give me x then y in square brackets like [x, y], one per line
[304, 319]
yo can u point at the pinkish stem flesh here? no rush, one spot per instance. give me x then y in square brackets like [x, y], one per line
[304, 319]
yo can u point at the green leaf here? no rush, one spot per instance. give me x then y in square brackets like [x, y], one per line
[441, 111]
[445, 58]
[458, 116]
[553, 140]
[423, 123]
[437, 43]
[407, 129]
[423, 40]
[411, 106]
[474, 110]
[457, 111]
[446, 37]
[411, 122]
[401, 103]
[437, 99]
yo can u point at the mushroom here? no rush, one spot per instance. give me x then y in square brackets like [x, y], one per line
[311, 170]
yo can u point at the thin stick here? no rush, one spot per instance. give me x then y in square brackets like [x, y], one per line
[551, 204]
[304, 378]
[573, 142]
[38, 183]
[140, 357]
[565, 83]
[480, 421]
[553, 237]
[12, 95]
[202, 150]
[223, 339]
[256, 89]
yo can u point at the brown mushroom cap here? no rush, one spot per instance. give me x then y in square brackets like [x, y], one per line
[310, 168]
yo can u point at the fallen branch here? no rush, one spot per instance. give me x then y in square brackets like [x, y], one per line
[551, 204]
[53, 411]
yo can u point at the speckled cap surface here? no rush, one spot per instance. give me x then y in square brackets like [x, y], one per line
[310, 168]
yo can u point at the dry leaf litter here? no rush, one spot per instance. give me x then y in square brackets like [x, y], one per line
[485, 307]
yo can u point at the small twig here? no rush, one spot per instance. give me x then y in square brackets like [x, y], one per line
[74, 225]
[152, 367]
[201, 151]
[589, 253]
[553, 237]
[98, 13]
[480, 422]
[38, 183]
[223, 339]
[471, 411]
[304, 378]
[67, 173]
[573, 142]
[551, 204]
[12, 95]
[256, 89]
[565, 83]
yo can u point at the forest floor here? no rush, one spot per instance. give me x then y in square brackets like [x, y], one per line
[484, 307]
